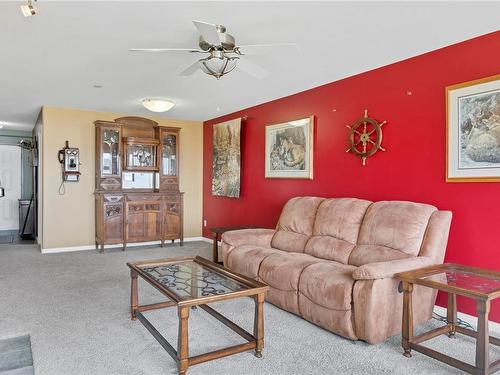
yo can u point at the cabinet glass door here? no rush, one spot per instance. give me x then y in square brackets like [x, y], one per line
[169, 155]
[110, 152]
[141, 156]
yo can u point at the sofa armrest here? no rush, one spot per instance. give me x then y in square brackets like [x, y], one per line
[382, 270]
[259, 237]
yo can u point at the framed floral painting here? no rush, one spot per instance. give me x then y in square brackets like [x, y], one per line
[473, 131]
[289, 149]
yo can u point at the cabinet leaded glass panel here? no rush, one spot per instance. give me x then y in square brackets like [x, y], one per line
[141, 155]
[169, 155]
[110, 152]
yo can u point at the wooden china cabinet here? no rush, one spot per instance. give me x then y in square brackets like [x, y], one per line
[137, 197]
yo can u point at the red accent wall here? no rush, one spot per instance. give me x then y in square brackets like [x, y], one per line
[413, 168]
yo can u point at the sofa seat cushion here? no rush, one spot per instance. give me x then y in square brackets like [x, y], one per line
[282, 273]
[325, 291]
[390, 231]
[336, 228]
[328, 284]
[247, 259]
[295, 224]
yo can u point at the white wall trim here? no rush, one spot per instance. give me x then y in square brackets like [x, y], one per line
[55, 250]
[472, 320]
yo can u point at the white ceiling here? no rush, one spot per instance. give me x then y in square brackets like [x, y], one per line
[56, 57]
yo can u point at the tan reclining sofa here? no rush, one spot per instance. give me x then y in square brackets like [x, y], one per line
[332, 261]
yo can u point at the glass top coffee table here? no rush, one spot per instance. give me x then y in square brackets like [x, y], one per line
[188, 282]
[454, 279]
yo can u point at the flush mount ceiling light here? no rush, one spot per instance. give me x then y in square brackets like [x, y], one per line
[28, 9]
[158, 105]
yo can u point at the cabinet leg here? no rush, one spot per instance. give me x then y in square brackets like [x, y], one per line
[102, 248]
[96, 245]
[162, 244]
[182, 242]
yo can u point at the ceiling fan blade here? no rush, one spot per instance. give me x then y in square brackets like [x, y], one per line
[208, 31]
[164, 50]
[190, 69]
[261, 49]
[251, 68]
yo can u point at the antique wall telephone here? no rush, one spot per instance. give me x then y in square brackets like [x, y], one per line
[69, 157]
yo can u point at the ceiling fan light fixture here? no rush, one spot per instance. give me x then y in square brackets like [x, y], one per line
[157, 105]
[218, 66]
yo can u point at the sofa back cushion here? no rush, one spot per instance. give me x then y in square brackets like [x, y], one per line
[296, 223]
[391, 230]
[336, 228]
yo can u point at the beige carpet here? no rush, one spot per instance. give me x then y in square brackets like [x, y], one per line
[75, 306]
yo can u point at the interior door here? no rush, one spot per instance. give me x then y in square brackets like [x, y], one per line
[10, 180]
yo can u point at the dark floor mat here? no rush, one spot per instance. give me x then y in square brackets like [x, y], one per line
[15, 356]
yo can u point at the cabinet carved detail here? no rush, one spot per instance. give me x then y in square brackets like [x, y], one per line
[137, 182]
[112, 210]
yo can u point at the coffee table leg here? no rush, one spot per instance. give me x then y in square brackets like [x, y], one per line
[407, 318]
[451, 314]
[134, 299]
[182, 341]
[258, 325]
[483, 339]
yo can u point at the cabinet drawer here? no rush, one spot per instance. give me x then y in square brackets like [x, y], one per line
[113, 198]
[172, 199]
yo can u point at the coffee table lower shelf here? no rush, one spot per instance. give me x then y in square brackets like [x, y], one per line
[251, 344]
[414, 344]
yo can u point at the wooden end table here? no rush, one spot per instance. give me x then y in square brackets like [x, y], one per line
[479, 284]
[217, 233]
[188, 282]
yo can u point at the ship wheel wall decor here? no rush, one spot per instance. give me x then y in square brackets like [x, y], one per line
[365, 137]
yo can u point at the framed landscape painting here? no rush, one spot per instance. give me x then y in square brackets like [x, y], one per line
[473, 131]
[226, 159]
[289, 149]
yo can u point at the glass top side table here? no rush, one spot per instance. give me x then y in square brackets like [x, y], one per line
[454, 279]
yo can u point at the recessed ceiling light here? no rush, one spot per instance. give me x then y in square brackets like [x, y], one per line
[218, 109]
[158, 105]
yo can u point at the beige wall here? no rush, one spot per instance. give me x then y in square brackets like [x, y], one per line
[68, 220]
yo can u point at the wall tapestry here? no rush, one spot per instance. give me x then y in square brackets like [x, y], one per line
[289, 149]
[226, 159]
[473, 131]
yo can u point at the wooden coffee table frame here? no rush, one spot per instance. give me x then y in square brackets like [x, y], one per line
[483, 300]
[256, 290]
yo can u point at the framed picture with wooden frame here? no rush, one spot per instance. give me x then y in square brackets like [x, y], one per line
[289, 149]
[473, 131]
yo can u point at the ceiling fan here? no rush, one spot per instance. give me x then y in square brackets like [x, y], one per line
[223, 53]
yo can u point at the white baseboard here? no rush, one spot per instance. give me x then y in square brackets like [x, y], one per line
[472, 320]
[54, 250]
